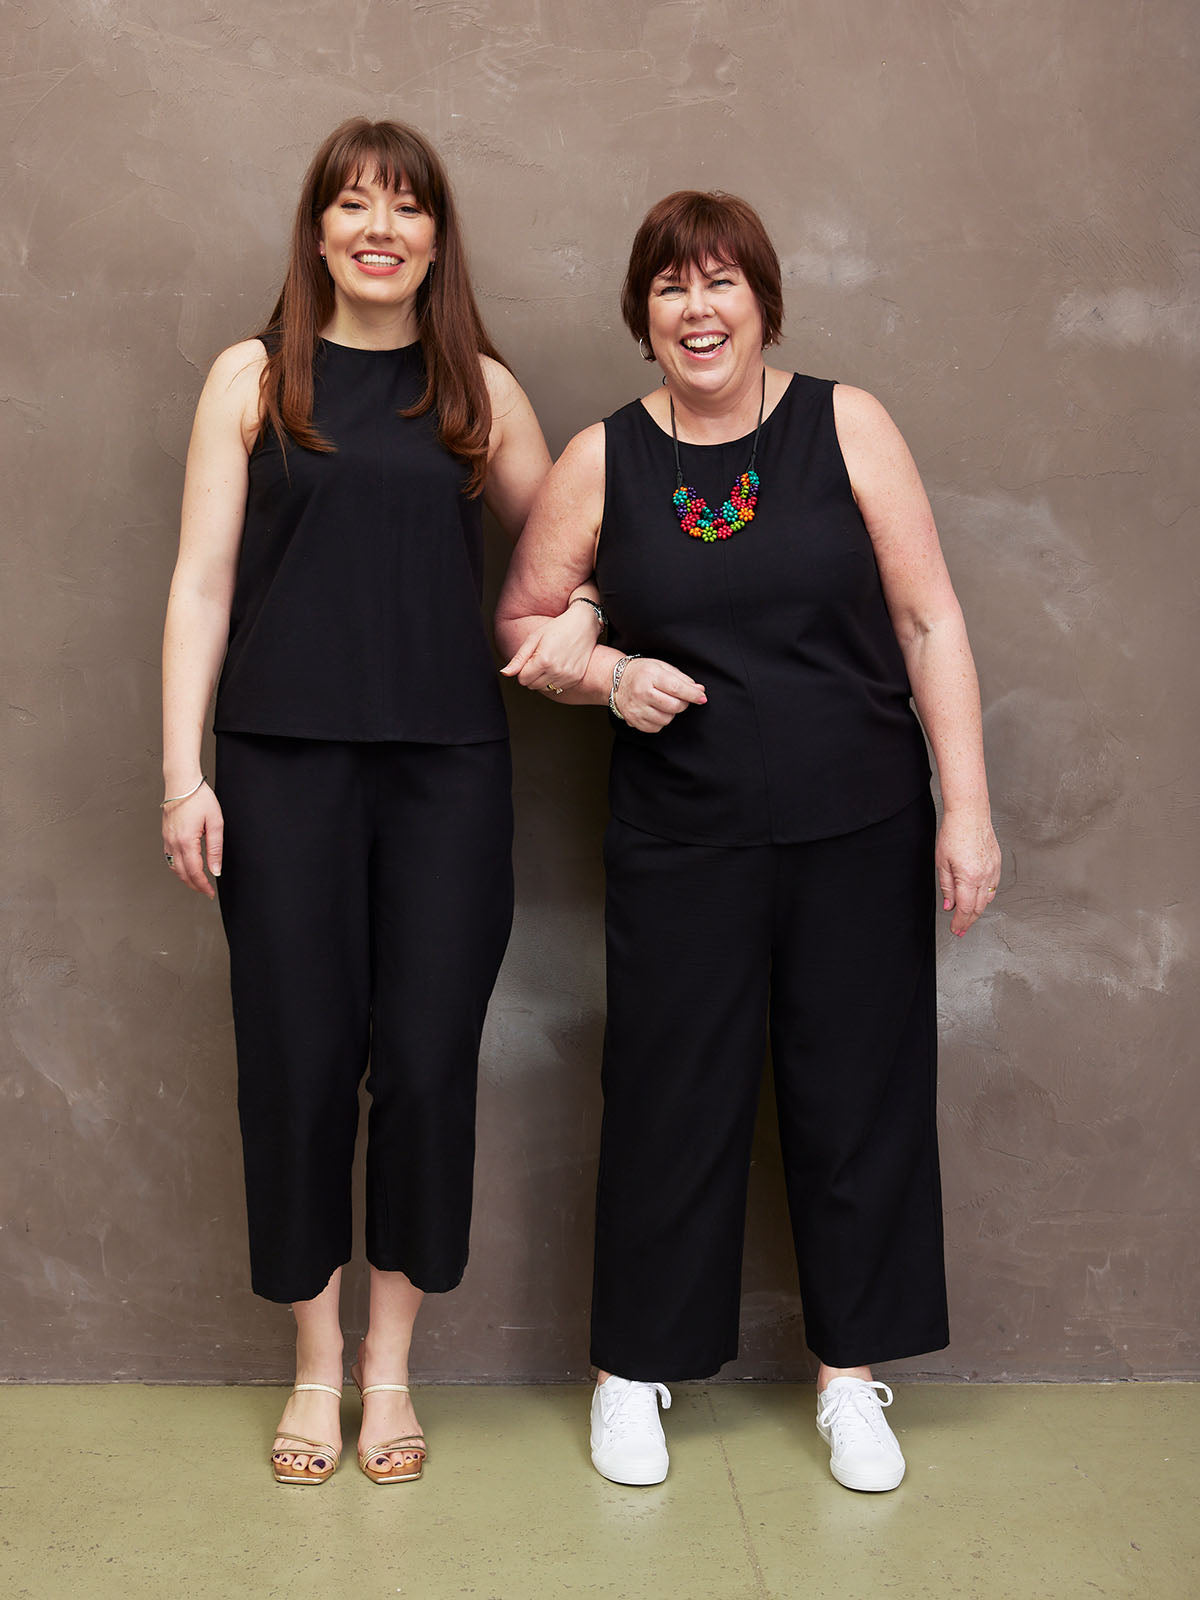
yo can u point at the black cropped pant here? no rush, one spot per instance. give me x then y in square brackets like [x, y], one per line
[367, 898]
[833, 942]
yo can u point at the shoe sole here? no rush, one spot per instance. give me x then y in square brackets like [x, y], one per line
[847, 1481]
[641, 1480]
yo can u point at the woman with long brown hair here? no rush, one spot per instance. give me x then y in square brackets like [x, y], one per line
[359, 820]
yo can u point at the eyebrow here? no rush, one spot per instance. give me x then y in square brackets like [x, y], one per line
[673, 274]
[358, 188]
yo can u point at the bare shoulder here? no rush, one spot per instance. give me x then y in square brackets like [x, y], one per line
[872, 445]
[859, 413]
[582, 462]
[239, 366]
[230, 402]
[587, 447]
[503, 389]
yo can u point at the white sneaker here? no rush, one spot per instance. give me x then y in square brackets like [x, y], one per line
[863, 1449]
[628, 1444]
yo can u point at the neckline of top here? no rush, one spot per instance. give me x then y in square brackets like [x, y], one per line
[367, 350]
[721, 444]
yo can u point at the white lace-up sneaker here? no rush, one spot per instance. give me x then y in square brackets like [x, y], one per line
[628, 1444]
[863, 1449]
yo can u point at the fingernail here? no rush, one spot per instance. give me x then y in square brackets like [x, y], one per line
[945, 905]
[216, 871]
[960, 933]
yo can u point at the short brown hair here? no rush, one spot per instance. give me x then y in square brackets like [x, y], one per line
[689, 228]
[450, 328]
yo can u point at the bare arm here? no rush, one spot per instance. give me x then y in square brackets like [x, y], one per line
[518, 460]
[197, 626]
[552, 563]
[933, 638]
[517, 466]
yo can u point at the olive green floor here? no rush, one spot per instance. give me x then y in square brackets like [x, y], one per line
[1013, 1491]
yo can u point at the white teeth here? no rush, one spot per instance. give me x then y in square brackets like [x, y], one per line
[704, 341]
[372, 260]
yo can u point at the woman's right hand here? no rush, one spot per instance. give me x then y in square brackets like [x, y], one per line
[652, 693]
[191, 830]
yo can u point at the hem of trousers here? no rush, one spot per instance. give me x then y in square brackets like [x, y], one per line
[665, 1372]
[282, 1297]
[434, 1283]
[886, 1350]
[266, 1290]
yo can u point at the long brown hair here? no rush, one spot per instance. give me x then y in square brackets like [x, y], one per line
[689, 228]
[449, 326]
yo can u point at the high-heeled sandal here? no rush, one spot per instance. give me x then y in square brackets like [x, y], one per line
[411, 1444]
[312, 1448]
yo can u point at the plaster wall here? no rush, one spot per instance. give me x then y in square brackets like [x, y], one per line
[987, 215]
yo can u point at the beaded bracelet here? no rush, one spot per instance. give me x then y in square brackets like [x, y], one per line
[172, 798]
[618, 674]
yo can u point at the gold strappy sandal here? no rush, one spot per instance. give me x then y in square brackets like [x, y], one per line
[316, 1452]
[411, 1444]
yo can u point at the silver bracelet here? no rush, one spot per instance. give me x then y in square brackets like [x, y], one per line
[618, 674]
[582, 600]
[172, 798]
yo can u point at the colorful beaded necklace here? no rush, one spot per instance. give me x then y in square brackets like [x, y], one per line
[696, 517]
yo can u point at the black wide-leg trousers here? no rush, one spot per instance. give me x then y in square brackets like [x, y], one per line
[831, 942]
[367, 898]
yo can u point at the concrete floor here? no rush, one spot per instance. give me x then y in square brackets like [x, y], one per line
[1013, 1491]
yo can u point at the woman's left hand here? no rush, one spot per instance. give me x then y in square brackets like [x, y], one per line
[555, 656]
[967, 857]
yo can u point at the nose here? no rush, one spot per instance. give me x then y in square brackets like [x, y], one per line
[697, 299]
[379, 223]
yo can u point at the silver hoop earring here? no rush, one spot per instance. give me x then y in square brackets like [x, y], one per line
[646, 355]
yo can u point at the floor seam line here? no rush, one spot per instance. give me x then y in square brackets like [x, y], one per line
[760, 1583]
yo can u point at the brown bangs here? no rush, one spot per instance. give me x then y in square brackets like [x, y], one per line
[380, 152]
[690, 228]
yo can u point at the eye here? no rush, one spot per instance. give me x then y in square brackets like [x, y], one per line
[351, 205]
[670, 288]
[721, 283]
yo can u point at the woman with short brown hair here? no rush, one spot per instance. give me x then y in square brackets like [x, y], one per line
[776, 594]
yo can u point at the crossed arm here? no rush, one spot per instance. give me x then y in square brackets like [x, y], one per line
[553, 563]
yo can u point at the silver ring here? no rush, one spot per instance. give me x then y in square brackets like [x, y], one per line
[169, 859]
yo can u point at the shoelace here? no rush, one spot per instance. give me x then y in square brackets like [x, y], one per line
[628, 1408]
[856, 1412]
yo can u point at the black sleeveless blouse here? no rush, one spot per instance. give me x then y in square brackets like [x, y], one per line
[809, 730]
[356, 611]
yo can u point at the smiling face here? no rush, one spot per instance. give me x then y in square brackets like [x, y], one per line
[378, 244]
[706, 329]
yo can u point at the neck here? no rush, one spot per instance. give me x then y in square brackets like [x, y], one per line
[727, 413]
[365, 328]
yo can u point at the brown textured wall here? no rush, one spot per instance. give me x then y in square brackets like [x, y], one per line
[987, 214]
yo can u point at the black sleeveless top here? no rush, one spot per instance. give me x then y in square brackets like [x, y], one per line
[356, 612]
[808, 731]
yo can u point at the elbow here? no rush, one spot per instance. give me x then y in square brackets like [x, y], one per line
[914, 629]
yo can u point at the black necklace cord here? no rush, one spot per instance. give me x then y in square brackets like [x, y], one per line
[762, 406]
